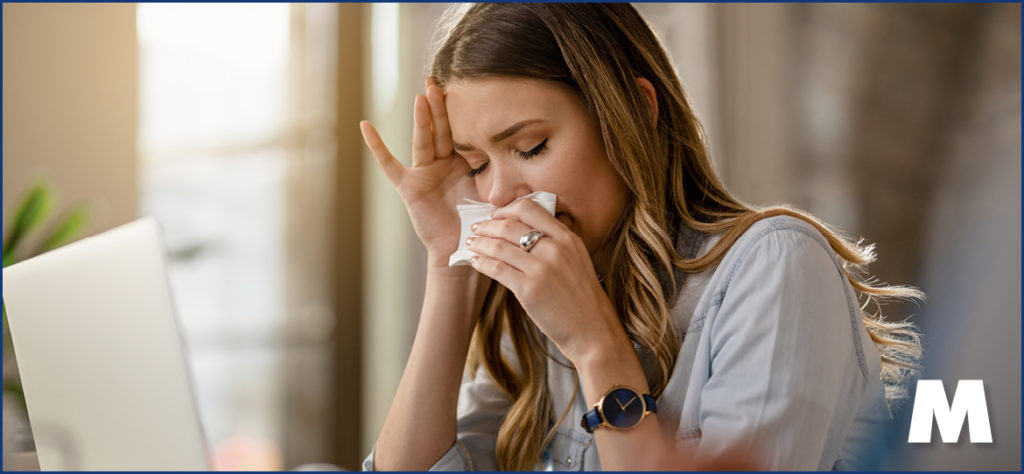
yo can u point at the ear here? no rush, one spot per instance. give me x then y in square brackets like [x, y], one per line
[648, 90]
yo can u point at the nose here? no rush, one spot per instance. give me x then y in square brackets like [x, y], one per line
[506, 186]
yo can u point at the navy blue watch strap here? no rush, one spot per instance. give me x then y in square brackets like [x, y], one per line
[591, 420]
[649, 402]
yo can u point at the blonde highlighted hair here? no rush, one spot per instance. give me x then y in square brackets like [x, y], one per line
[599, 50]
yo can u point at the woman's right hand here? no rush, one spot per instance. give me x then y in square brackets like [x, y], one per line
[437, 180]
[428, 393]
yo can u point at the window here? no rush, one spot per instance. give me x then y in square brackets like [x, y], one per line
[237, 147]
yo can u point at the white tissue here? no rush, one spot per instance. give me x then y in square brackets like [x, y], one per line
[475, 211]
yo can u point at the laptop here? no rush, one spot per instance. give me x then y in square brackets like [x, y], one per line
[99, 350]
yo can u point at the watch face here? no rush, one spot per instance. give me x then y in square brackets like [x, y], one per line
[622, 408]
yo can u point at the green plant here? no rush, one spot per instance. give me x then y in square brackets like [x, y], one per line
[32, 211]
[30, 215]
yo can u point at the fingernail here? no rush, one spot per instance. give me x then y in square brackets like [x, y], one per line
[474, 227]
[473, 259]
[469, 241]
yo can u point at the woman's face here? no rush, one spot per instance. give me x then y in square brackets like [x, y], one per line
[525, 135]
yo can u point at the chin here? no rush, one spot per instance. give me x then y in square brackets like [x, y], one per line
[569, 221]
[573, 225]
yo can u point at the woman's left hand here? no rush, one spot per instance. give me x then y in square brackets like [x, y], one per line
[555, 281]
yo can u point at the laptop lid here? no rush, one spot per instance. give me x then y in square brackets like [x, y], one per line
[100, 355]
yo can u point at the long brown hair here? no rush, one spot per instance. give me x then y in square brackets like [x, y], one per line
[599, 50]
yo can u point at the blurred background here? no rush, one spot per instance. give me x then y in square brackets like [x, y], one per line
[298, 277]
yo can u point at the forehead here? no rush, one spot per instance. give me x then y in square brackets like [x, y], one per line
[488, 105]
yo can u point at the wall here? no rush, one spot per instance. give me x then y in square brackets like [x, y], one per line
[899, 123]
[69, 100]
[394, 259]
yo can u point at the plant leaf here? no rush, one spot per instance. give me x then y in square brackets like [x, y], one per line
[13, 388]
[67, 231]
[31, 212]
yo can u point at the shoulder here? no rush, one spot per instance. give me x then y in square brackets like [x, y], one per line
[779, 250]
[782, 276]
[782, 268]
[777, 244]
[787, 231]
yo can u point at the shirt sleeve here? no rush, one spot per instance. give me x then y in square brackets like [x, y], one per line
[785, 370]
[481, 410]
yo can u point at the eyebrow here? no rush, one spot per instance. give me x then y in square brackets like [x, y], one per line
[502, 135]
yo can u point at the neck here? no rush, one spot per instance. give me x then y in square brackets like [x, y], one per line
[601, 260]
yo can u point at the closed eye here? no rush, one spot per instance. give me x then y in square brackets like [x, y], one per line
[475, 171]
[526, 155]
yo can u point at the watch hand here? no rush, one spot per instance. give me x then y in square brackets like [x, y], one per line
[620, 403]
[631, 400]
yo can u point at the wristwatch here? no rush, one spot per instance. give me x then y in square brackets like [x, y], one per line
[621, 408]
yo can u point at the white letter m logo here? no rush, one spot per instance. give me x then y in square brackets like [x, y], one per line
[968, 403]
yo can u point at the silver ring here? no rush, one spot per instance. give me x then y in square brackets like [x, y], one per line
[529, 239]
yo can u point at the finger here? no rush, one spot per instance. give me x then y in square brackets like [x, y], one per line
[511, 230]
[503, 251]
[422, 139]
[439, 114]
[497, 270]
[392, 168]
[534, 216]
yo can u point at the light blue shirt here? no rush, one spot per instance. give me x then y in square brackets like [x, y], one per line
[774, 353]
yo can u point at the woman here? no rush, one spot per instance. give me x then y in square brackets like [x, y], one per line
[652, 292]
